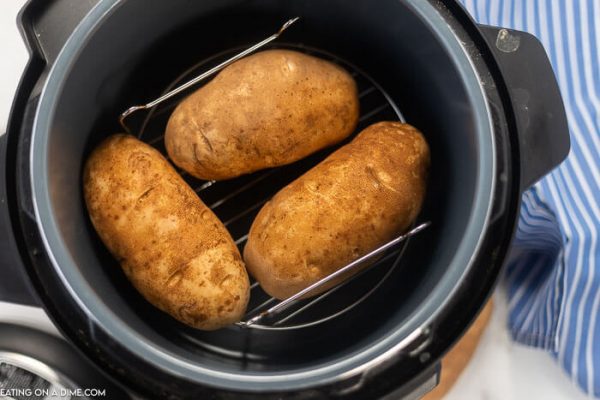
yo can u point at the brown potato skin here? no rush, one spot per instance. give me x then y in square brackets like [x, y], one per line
[171, 246]
[268, 109]
[360, 197]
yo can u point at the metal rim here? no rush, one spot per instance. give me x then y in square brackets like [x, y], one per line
[43, 370]
[66, 270]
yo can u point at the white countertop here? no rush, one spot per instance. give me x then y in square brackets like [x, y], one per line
[500, 369]
[504, 370]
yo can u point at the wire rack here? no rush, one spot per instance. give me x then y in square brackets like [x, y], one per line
[236, 202]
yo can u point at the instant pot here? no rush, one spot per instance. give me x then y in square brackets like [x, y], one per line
[485, 98]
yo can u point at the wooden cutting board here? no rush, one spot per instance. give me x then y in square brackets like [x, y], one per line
[458, 358]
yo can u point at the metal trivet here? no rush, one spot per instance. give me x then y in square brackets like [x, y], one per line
[292, 312]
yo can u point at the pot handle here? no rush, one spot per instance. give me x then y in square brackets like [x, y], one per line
[46, 25]
[14, 282]
[538, 108]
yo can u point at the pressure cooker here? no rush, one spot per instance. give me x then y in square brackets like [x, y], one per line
[485, 98]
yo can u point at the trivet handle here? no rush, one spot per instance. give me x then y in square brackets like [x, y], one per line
[203, 76]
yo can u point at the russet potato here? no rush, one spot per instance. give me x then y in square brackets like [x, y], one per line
[360, 197]
[171, 246]
[265, 110]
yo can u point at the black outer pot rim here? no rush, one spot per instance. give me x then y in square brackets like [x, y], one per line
[284, 382]
[92, 307]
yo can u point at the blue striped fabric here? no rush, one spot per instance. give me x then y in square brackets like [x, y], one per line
[553, 276]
